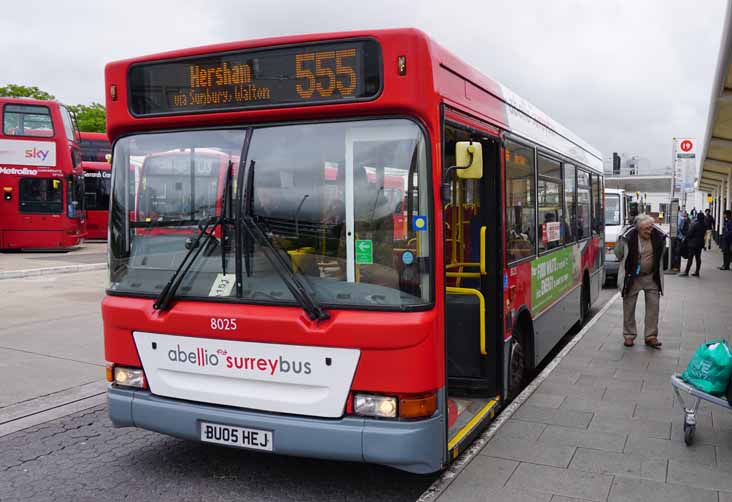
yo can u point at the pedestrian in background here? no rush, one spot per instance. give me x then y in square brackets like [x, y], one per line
[726, 239]
[682, 227]
[695, 243]
[640, 251]
[709, 224]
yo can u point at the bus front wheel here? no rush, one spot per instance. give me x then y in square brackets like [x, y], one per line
[518, 368]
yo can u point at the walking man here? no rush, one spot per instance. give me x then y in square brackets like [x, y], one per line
[709, 224]
[726, 239]
[695, 244]
[681, 228]
[640, 251]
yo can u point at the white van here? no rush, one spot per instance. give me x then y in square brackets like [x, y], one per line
[616, 218]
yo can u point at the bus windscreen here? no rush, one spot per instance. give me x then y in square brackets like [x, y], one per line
[305, 74]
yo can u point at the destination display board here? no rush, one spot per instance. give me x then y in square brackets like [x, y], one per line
[287, 76]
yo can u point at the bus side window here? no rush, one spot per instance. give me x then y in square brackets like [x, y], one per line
[520, 202]
[570, 210]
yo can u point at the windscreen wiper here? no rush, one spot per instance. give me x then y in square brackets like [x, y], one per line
[225, 209]
[273, 255]
[207, 226]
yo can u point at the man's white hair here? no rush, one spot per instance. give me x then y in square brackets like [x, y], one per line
[642, 218]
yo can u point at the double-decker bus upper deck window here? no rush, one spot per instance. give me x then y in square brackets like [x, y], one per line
[68, 124]
[549, 199]
[344, 71]
[520, 201]
[27, 120]
[94, 150]
[41, 195]
[338, 200]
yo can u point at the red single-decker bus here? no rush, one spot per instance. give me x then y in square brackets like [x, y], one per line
[347, 246]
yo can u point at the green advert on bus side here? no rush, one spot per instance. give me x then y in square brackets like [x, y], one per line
[551, 275]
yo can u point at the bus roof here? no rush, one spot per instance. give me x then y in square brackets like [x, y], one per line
[97, 166]
[451, 81]
[95, 136]
[614, 191]
[29, 101]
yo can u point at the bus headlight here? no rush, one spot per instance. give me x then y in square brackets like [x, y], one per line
[129, 377]
[369, 405]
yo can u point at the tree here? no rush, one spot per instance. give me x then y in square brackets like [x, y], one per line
[24, 91]
[90, 118]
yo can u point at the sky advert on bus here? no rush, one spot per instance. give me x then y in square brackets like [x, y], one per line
[304, 74]
[20, 152]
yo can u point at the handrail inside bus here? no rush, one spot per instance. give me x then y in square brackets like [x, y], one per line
[482, 250]
[481, 302]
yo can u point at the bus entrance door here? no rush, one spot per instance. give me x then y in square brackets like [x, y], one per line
[470, 332]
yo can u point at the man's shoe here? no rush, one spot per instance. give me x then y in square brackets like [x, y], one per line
[695, 275]
[723, 268]
[683, 274]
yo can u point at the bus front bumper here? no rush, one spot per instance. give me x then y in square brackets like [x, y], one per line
[414, 446]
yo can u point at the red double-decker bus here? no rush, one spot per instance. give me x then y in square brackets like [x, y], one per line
[269, 301]
[40, 176]
[95, 153]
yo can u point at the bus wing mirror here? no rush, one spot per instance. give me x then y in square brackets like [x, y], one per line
[469, 158]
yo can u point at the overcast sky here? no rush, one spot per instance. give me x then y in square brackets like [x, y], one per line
[625, 75]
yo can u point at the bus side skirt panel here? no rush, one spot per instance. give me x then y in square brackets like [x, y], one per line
[554, 323]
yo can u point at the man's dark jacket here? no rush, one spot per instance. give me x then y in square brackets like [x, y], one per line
[658, 240]
[695, 237]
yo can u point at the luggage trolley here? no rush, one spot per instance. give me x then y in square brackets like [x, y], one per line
[690, 413]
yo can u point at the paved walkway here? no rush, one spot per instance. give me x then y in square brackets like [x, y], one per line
[605, 424]
[90, 256]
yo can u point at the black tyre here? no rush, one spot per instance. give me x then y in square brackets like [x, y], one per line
[689, 431]
[518, 372]
[585, 303]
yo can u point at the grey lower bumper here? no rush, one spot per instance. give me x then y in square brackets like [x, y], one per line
[417, 447]
[611, 267]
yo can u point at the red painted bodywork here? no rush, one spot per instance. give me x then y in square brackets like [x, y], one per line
[36, 230]
[97, 219]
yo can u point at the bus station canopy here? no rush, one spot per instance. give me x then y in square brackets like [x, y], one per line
[715, 169]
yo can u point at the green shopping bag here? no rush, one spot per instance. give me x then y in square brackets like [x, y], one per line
[710, 368]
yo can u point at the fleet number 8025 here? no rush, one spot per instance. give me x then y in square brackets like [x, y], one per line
[223, 324]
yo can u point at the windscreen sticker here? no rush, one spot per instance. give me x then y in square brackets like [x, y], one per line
[407, 257]
[222, 285]
[364, 252]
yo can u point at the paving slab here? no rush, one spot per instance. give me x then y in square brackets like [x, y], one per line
[619, 464]
[634, 427]
[568, 436]
[529, 451]
[551, 416]
[644, 490]
[566, 482]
